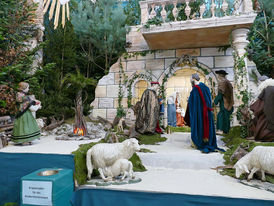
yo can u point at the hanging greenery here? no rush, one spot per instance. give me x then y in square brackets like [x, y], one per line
[153, 21]
[120, 110]
[243, 113]
[128, 55]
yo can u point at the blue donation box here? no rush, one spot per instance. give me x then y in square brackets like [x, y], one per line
[51, 187]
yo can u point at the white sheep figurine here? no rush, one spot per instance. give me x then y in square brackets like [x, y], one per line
[259, 159]
[104, 155]
[120, 167]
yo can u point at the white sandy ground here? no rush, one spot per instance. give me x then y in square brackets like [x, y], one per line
[47, 145]
[174, 168]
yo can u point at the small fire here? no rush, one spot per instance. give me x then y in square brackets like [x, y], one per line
[78, 131]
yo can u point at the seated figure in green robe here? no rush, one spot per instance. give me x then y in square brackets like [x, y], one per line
[225, 101]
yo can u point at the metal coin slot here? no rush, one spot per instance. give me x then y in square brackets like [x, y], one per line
[48, 172]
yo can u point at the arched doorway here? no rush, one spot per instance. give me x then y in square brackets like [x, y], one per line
[180, 84]
[139, 89]
[176, 78]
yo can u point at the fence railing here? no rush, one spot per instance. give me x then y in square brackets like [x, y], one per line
[182, 10]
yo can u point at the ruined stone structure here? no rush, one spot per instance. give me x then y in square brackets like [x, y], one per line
[38, 24]
[201, 39]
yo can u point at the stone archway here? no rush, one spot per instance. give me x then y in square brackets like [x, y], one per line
[187, 62]
[176, 78]
[131, 84]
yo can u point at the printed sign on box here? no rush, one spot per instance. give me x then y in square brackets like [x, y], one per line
[37, 192]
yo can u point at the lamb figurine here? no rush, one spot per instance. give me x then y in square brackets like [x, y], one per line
[120, 167]
[105, 155]
[259, 159]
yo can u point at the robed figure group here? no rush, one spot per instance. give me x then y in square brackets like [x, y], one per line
[198, 116]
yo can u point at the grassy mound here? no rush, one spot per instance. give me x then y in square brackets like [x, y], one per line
[80, 173]
[137, 163]
[233, 140]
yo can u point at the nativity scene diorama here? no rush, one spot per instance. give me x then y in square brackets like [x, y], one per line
[185, 98]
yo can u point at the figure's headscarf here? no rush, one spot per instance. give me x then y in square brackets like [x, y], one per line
[171, 98]
[23, 86]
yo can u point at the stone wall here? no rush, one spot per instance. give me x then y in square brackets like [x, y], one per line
[106, 94]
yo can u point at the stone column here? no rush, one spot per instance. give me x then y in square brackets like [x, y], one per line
[239, 40]
[241, 79]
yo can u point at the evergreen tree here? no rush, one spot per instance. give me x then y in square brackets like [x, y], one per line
[61, 49]
[100, 27]
[16, 28]
[16, 58]
[133, 12]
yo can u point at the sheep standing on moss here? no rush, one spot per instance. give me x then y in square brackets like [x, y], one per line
[105, 155]
[259, 159]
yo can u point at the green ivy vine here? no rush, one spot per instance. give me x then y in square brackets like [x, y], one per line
[243, 95]
[153, 21]
[128, 81]
[128, 55]
[120, 110]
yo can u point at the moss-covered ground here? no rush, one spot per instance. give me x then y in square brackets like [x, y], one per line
[80, 173]
[151, 139]
[233, 140]
[180, 129]
[144, 150]
[10, 204]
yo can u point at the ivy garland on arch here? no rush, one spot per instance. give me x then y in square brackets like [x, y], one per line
[185, 60]
[128, 82]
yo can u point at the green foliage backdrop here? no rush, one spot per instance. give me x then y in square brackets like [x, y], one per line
[261, 37]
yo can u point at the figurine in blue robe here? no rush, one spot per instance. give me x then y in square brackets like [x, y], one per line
[201, 118]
